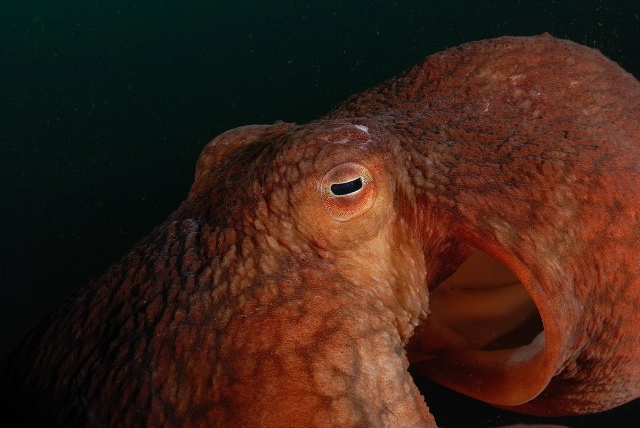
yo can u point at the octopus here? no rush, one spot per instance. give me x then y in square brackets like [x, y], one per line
[474, 220]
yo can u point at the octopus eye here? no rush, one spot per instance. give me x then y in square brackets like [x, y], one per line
[347, 191]
[341, 189]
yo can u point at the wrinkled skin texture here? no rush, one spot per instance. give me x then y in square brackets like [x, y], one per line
[285, 289]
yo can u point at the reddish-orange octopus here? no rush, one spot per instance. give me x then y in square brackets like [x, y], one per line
[476, 217]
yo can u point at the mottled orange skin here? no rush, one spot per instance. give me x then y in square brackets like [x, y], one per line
[252, 306]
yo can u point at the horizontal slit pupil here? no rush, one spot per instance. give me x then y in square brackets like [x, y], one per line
[340, 189]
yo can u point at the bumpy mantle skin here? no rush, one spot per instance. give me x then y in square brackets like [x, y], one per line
[283, 291]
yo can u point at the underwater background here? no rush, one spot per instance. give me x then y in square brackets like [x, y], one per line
[105, 106]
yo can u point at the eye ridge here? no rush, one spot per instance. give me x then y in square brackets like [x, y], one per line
[346, 188]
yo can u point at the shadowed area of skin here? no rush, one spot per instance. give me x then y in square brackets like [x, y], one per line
[476, 216]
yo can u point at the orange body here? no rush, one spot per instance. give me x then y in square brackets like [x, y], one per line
[477, 216]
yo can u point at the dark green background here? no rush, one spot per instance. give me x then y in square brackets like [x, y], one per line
[105, 106]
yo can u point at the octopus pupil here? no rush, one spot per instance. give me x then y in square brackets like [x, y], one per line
[340, 189]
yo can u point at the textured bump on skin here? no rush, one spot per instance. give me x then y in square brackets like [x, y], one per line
[251, 306]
